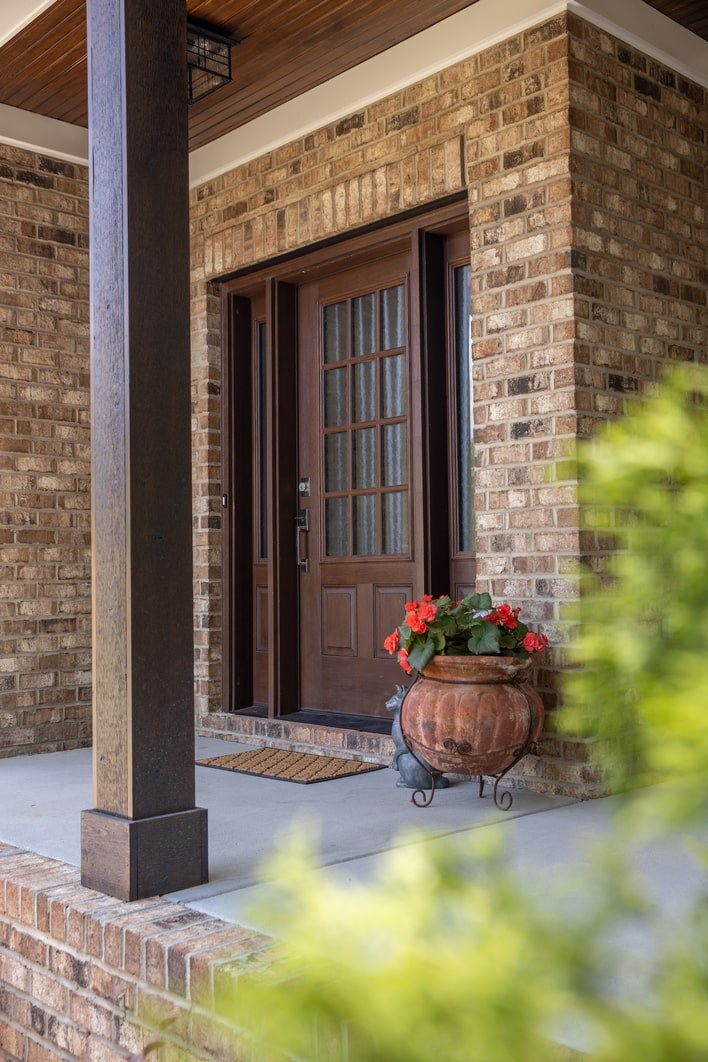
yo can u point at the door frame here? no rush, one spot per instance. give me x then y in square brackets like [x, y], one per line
[420, 233]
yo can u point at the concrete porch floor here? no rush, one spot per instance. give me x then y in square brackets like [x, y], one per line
[551, 842]
[358, 818]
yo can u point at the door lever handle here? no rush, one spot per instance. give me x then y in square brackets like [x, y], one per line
[302, 525]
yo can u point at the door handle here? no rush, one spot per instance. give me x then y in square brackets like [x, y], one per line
[302, 525]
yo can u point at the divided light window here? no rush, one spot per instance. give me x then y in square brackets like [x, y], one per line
[364, 347]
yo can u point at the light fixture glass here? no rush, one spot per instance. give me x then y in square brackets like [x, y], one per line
[208, 59]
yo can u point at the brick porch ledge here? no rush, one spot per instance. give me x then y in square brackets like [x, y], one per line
[77, 968]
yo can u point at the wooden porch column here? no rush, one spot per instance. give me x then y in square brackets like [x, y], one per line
[144, 835]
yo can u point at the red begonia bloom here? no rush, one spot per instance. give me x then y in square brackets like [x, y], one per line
[415, 623]
[391, 643]
[403, 661]
[535, 643]
[427, 612]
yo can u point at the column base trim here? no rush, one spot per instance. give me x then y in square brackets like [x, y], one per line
[132, 859]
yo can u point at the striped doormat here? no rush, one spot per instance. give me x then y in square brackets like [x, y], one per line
[287, 766]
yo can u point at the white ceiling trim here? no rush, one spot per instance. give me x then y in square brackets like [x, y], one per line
[34, 132]
[15, 14]
[479, 26]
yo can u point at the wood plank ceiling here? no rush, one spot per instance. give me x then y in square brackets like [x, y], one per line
[286, 47]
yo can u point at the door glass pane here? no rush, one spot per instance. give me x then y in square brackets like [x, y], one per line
[363, 326]
[262, 463]
[393, 386]
[336, 478]
[393, 330]
[395, 522]
[365, 525]
[366, 383]
[395, 456]
[336, 398]
[336, 527]
[335, 332]
[464, 425]
[364, 458]
[364, 388]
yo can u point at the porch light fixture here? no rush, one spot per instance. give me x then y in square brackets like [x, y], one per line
[208, 59]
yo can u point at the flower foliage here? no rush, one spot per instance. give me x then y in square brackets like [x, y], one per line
[472, 626]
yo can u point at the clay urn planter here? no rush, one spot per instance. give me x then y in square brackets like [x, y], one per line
[472, 715]
[471, 710]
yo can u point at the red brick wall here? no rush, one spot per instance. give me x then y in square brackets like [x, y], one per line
[587, 219]
[584, 163]
[83, 975]
[640, 220]
[45, 597]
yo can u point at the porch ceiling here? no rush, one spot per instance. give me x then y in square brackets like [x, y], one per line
[286, 47]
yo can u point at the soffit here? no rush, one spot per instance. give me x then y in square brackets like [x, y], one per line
[286, 47]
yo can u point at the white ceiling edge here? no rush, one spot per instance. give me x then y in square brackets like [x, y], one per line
[15, 14]
[471, 30]
[480, 26]
[34, 132]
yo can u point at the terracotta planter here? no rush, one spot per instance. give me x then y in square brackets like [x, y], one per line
[472, 715]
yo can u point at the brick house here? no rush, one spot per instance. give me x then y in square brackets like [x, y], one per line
[540, 172]
[539, 169]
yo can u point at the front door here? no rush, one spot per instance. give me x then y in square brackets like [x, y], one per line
[347, 478]
[357, 543]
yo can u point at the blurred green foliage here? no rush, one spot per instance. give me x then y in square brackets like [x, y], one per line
[448, 956]
[642, 675]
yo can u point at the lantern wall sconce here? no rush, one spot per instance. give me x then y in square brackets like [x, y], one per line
[208, 59]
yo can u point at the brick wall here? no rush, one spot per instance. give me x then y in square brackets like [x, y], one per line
[640, 220]
[85, 976]
[45, 655]
[585, 170]
[584, 163]
[498, 126]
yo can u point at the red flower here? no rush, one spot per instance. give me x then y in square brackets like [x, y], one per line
[415, 623]
[426, 597]
[507, 616]
[391, 643]
[410, 606]
[427, 612]
[403, 661]
[535, 643]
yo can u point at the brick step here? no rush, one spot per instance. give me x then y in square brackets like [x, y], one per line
[302, 732]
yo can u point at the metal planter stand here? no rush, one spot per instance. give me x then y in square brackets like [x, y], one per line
[458, 750]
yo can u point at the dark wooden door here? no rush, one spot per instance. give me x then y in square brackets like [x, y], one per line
[357, 540]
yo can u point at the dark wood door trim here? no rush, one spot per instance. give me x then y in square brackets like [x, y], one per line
[425, 239]
[430, 274]
[281, 456]
[237, 494]
[351, 249]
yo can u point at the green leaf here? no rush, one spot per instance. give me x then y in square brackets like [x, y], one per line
[405, 634]
[439, 640]
[447, 624]
[484, 639]
[421, 653]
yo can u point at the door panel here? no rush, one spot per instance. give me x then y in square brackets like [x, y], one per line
[355, 357]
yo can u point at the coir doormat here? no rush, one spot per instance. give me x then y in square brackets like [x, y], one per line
[287, 766]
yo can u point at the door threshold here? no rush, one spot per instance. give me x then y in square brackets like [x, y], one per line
[369, 724]
[363, 737]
